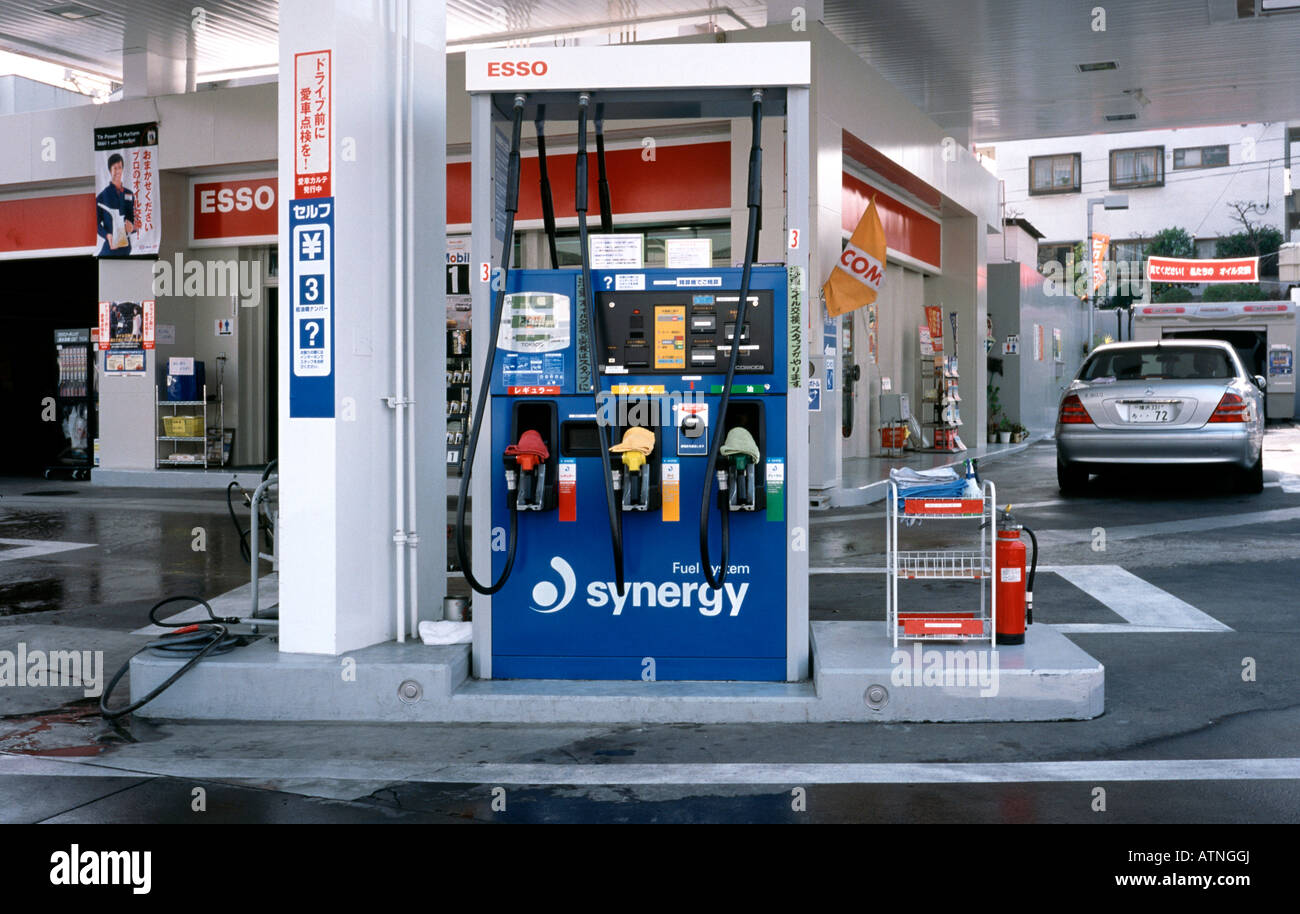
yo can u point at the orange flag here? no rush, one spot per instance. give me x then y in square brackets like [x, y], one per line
[856, 279]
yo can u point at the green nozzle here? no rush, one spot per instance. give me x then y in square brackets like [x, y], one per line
[740, 444]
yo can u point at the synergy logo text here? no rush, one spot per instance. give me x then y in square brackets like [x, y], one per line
[666, 594]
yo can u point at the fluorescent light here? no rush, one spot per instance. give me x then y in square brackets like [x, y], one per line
[1121, 117]
[1094, 67]
[73, 11]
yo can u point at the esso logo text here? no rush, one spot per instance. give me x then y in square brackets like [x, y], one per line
[517, 68]
[241, 200]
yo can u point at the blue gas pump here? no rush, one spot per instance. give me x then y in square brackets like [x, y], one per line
[632, 398]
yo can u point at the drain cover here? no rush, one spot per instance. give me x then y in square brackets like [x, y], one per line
[409, 692]
[876, 697]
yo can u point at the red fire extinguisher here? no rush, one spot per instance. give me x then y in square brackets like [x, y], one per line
[1015, 607]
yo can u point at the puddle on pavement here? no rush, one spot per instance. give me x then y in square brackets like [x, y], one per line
[75, 730]
[23, 597]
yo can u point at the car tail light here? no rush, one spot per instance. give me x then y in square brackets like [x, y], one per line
[1231, 408]
[1073, 412]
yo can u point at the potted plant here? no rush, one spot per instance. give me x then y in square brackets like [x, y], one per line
[1018, 433]
[1004, 431]
[995, 407]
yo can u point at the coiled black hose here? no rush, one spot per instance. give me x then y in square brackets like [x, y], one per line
[206, 639]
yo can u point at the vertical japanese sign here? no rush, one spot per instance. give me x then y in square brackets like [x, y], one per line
[1100, 245]
[127, 212]
[311, 284]
[313, 125]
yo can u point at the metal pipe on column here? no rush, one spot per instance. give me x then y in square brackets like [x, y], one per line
[412, 536]
[399, 340]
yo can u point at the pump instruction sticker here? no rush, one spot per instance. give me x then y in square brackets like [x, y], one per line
[311, 284]
[671, 494]
[568, 488]
[776, 488]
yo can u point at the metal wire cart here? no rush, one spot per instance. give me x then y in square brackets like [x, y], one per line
[944, 623]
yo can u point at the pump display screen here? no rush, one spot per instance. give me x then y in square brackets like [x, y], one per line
[689, 331]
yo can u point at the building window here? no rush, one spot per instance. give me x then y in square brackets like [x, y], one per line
[1054, 174]
[1054, 253]
[1128, 251]
[1201, 157]
[1144, 167]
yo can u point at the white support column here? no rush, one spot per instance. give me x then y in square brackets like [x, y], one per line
[826, 156]
[337, 511]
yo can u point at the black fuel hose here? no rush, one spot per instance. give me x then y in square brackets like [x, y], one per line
[754, 202]
[548, 203]
[207, 639]
[1029, 582]
[602, 180]
[485, 382]
[597, 340]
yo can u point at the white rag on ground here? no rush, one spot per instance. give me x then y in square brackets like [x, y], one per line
[445, 632]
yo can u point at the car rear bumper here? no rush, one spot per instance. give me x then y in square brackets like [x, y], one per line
[1227, 444]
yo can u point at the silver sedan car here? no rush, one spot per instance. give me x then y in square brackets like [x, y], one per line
[1157, 403]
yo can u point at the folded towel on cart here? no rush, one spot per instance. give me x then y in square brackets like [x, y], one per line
[941, 482]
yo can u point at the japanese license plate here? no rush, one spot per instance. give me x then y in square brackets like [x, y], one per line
[1151, 412]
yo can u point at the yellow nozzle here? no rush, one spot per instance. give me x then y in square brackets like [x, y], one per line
[633, 460]
[636, 440]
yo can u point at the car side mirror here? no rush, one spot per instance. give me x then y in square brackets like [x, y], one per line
[1261, 382]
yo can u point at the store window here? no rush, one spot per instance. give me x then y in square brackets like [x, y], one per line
[1201, 157]
[566, 242]
[1058, 174]
[1143, 167]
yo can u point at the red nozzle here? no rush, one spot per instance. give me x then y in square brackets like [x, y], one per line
[530, 451]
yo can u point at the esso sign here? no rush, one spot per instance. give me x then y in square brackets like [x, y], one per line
[236, 199]
[242, 210]
[516, 68]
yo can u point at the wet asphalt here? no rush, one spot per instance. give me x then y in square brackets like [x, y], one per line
[1169, 695]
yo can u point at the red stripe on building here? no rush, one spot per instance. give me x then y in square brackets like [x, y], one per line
[872, 159]
[693, 176]
[907, 231]
[45, 223]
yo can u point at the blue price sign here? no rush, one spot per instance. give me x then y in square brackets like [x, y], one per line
[311, 269]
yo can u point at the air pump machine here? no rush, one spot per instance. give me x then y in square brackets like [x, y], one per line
[638, 447]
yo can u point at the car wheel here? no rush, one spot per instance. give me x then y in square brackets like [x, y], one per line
[1251, 481]
[1071, 478]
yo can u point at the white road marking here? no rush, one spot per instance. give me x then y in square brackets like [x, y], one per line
[30, 549]
[1144, 606]
[1165, 528]
[1098, 771]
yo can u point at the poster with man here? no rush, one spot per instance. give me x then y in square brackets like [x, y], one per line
[127, 212]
